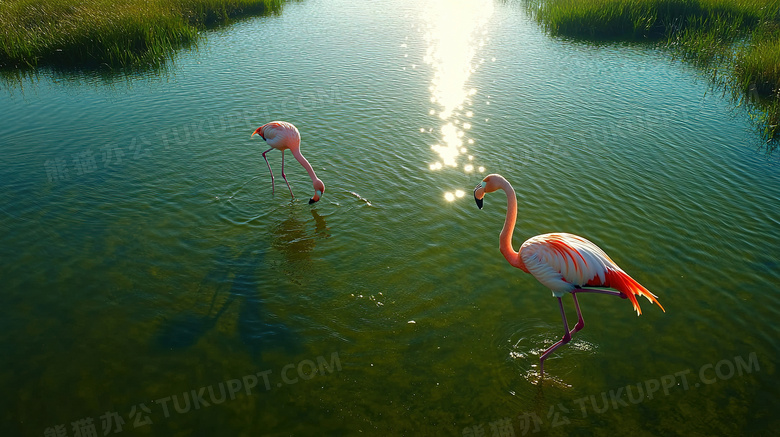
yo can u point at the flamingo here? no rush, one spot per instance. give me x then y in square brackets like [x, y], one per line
[281, 135]
[564, 263]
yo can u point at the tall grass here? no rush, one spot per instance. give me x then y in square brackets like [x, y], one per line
[758, 64]
[115, 33]
[738, 37]
[649, 18]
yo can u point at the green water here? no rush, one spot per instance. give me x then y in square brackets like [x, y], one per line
[153, 285]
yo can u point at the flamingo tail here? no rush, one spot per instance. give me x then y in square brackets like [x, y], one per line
[619, 280]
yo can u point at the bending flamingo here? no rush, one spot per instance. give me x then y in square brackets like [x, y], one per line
[564, 263]
[281, 135]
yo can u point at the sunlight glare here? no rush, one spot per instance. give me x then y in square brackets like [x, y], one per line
[453, 40]
[451, 196]
[454, 33]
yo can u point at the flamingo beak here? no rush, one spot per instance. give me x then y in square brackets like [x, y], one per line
[258, 131]
[479, 194]
[316, 198]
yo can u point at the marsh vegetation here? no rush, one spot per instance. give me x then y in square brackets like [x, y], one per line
[108, 33]
[736, 41]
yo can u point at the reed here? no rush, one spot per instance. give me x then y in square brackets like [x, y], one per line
[738, 41]
[649, 18]
[115, 33]
[758, 64]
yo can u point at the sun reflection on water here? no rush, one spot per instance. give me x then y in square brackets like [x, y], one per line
[455, 32]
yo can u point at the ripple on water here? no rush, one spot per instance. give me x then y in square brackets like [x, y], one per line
[186, 248]
[522, 343]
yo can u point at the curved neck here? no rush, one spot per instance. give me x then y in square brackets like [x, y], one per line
[299, 157]
[505, 239]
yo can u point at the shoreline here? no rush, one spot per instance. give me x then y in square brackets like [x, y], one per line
[109, 34]
[736, 42]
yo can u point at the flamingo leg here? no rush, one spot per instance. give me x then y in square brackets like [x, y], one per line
[566, 338]
[269, 167]
[580, 322]
[599, 290]
[285, 177]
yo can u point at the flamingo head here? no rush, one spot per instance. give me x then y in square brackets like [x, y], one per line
[319, 190]
[489, 184]
[259, 131]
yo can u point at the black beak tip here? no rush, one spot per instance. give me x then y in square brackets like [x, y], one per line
[480, 202]
[312, 201]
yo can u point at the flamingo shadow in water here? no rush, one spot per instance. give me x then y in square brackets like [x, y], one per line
[186, 328]
[254, 328]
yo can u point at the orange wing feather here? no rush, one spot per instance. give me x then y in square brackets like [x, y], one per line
[563, 262]
[619, 280]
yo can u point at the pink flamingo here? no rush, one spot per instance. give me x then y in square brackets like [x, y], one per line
[564, 263]
[281, 135]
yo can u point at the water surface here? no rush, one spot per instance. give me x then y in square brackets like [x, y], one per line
[154, 285]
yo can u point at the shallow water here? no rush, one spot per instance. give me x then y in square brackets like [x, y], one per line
[154, 285]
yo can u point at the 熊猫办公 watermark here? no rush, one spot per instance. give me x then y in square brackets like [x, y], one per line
[140, 415]
[144, 146]
[621, 397]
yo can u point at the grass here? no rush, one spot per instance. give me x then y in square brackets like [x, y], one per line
[113, 33]
[738, 41]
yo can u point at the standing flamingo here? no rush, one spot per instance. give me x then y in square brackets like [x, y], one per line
[281, 135]
[564, 263]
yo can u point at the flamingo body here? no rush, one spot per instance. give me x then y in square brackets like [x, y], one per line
[282, 136]
[564, 263]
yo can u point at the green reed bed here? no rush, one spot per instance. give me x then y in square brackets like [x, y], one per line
[115, 33]
[758, 64]
[650, 18]
[738, 41]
